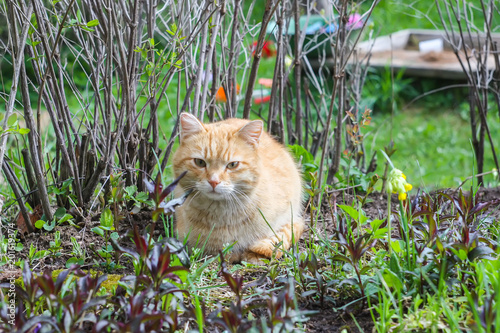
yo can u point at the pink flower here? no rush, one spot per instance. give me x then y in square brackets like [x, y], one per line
[355, 21]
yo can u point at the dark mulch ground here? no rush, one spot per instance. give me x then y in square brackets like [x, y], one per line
[327, 319]
[331, 320]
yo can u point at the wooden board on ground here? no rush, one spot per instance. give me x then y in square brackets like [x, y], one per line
[400, 51]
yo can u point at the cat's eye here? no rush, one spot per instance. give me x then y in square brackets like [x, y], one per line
[232, 165]
[200, 163]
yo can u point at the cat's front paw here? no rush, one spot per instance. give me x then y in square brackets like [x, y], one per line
[266, 247]
[253, 258]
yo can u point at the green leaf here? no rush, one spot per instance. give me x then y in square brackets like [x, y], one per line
[459, 252]
[182, 274]
[396, 246]
[142, 197]
[375, 224]
[106, 218]
[156, 213]
[24, 131]
[439, 245]
[392, 280]
[65, 218]
[104, 253]
[354, 213]
[114, 235]
[98, 231]
[60, 212]
[39, 224]
[92, 23]
[310, 166]
[49, 226]
[380, 233]
[481, 252]
[130, 190]
[302, 155]
[12, 120]
[394, 264]
[40, 254]
[364, 270]
[71, 261]
[173, 27]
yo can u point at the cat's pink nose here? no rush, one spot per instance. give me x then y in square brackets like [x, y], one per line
[214, 183]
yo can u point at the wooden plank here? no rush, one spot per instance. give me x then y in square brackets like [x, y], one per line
[399, 51]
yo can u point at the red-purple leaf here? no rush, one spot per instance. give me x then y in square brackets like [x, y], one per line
[340, 257]
[171, 187]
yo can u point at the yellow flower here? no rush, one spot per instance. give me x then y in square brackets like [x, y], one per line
[396, 183]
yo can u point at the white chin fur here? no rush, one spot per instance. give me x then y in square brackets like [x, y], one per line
[214, 196]
[220, 192]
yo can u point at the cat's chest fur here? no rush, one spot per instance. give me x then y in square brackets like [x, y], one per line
[226, 213]
[215, 224]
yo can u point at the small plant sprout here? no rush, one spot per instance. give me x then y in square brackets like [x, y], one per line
[106, 230]
[158, 194]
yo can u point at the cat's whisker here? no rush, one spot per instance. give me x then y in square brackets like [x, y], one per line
[196, 193]
[192, 196]
[239, 204]
[230, 199]
[242, 195]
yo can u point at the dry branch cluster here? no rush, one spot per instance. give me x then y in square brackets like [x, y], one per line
[473, 46]
[120, 59]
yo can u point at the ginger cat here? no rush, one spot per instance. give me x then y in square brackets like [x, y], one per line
[239, 174]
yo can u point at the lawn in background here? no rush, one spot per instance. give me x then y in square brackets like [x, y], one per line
[433, 146]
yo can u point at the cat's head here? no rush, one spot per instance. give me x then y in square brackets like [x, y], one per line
[222, 158]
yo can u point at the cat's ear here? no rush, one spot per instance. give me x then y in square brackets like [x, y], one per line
[190, 125]
[251, 132]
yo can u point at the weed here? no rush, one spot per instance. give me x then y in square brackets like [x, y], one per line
[355, 249]
[78, 254]
[55, 246]
[34, 254]
[60, 217]
[105, 229]
[312, 280]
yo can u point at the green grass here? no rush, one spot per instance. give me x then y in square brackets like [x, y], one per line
[433, 146]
